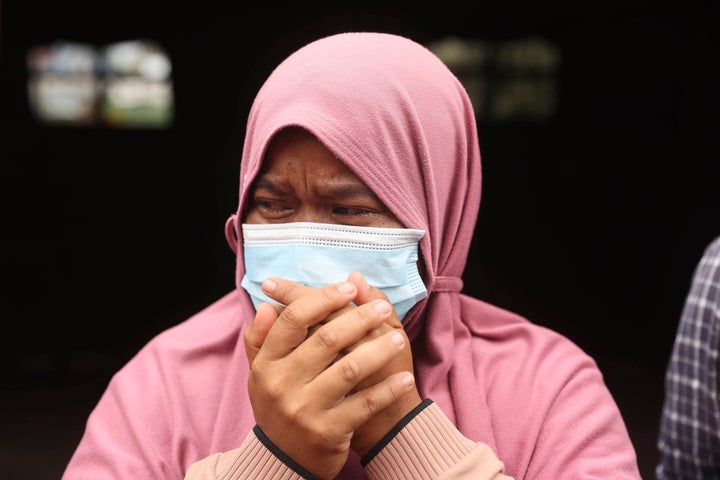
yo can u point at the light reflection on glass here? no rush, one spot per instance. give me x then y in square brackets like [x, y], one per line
[511, 80]
[121, 85]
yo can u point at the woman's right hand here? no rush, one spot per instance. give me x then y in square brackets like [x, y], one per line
[304, 388]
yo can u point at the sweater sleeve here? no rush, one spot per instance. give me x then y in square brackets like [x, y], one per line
[252, 460]
[429, 446]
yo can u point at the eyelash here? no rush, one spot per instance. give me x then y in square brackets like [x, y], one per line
[351, 211]
[275, 207]
[270, 205]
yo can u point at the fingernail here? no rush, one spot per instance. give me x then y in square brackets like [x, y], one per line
[269, 285]
[397, 338]
[408, 380]
[346, 288]
[381, 306]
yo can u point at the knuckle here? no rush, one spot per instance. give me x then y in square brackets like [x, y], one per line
[295, 412]
[292, 315]
[368, 316]
[372, 404]
[274, 391]
[271, 385]
[350, 369]
[326, 339]
[328, 294]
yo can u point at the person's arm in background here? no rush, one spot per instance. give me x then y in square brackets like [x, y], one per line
[689, 438]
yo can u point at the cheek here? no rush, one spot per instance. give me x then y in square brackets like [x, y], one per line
[391, 222]
[252, 216]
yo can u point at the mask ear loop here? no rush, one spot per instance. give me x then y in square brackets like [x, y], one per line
[231, 234]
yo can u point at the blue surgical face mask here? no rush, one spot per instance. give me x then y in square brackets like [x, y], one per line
[318, 254]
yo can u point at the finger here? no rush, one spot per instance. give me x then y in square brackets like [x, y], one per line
[327, 344]
[363, 405]
[284, 291]
[254, 335]
[291, 291]
[361, 283]
[367, 293]
[305, 307]
[347, 372]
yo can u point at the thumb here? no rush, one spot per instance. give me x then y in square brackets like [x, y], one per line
[254, 335]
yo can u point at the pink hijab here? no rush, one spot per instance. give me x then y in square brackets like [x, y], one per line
[393, 112]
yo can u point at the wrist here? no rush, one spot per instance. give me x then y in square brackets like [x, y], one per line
[386, 424]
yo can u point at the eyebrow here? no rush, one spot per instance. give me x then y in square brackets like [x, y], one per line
[262, 182]
[341, 190]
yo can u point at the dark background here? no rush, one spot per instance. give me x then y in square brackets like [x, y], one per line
[591, 223]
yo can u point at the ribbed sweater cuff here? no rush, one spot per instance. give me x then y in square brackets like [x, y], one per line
[253, 459]
[427, 446]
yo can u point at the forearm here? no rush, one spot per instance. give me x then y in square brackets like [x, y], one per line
[425, 445]
[429, 446]
[252, 460]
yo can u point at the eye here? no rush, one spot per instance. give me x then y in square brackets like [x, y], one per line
[352, 211]
[271, 208]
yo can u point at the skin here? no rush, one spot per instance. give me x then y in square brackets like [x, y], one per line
[326, 376]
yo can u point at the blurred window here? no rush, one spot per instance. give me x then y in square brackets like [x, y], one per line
[511, 80]
[121, 85]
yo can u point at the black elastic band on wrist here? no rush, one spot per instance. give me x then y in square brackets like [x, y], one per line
[395, 430]
[282, 456]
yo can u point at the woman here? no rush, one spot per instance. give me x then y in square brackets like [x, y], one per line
[347, 349]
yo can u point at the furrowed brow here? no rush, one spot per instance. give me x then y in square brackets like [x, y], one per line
[266, 184]
[350, 191]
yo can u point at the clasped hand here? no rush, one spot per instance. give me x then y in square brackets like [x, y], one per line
[330, 371]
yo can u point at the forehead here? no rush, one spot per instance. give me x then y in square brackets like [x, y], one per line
[294, 152]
